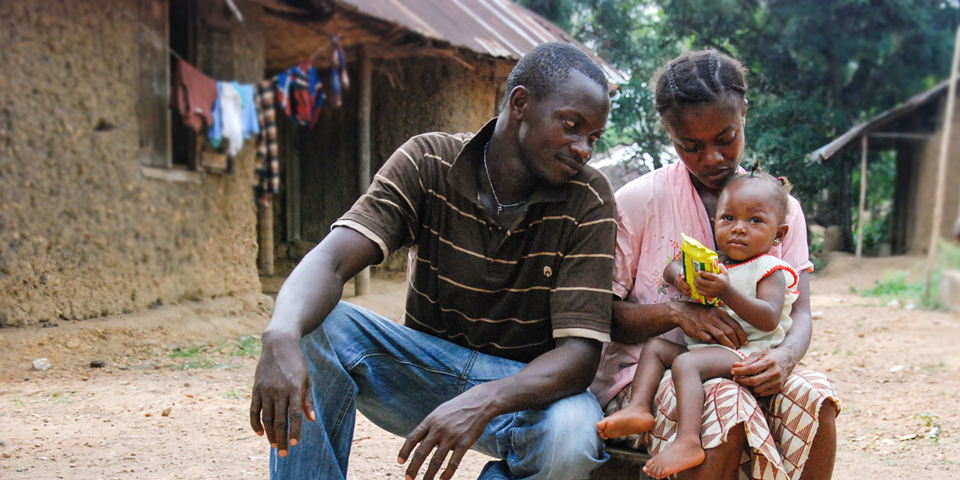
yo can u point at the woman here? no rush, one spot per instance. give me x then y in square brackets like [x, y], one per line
[701, 99]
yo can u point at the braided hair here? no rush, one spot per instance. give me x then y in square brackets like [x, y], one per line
[701, 76]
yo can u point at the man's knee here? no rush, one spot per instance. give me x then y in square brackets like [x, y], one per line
[569, 447]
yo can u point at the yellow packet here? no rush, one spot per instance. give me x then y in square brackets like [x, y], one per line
[697, 258]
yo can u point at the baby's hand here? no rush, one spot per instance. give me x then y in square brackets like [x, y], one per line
[681, 283]
[713, 285]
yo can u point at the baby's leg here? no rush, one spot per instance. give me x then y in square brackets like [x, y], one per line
[690, 370]
[637, 417]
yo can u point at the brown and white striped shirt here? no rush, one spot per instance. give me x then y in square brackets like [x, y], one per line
[507, 292]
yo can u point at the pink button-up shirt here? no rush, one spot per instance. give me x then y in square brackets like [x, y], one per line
[653, 210]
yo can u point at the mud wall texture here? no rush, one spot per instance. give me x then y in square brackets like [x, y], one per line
[427, 95]
[82, 232]
[925, 172]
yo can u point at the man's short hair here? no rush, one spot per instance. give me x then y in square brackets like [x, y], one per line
[549, 64]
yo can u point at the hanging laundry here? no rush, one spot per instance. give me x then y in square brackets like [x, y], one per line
[193, 95]
[215, 132]
[248, 115]
[230, 108]
[339, 80]
[300, 94]
[267, 165]
[249, 122]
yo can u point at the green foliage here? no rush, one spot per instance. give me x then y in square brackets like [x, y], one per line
[57, 398]
[208, 356]
[881, 178]
[894, 285]
[232, 393]
[932, 422]
[628, 34]
[816, 68]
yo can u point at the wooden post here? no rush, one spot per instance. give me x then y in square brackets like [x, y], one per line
[265, 230]
[942, 168]
[361, 282]
[863, 199]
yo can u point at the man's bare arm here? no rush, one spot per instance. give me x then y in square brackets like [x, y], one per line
[281, 388]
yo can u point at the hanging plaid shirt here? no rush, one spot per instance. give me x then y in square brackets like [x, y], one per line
[267, 166]
[300, 94]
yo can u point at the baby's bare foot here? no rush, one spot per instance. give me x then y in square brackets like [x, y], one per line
[625, 422]
[678, 456]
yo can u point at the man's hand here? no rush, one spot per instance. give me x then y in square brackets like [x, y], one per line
[452, 427]
[708, 324]
[956, 229]
[713, 285]
[765, 373]
[281, 392]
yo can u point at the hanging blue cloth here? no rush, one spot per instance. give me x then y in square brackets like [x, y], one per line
[248, 113]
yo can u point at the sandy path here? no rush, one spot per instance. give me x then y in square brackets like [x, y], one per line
[74, 421]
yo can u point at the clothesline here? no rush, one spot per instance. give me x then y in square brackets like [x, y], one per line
[237, 112]
[149, 35]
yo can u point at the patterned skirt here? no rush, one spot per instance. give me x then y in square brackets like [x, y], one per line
[780, 428]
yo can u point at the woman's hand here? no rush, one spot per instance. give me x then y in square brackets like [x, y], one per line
[708, 324]
[764, 373]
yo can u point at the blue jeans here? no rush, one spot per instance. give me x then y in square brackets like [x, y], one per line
[397, 376]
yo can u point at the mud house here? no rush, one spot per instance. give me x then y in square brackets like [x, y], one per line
[105, 204]
[913, 132]
[430, 65]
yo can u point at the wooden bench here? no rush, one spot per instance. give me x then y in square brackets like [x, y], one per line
[624, 464]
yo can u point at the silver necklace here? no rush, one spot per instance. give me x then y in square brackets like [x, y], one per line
[486, 169]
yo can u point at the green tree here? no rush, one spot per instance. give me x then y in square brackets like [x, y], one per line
[628, 34]
[819, 67]
[815, 67]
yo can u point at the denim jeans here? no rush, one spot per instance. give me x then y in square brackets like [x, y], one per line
[397, 376]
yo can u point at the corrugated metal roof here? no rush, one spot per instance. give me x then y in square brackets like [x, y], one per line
[825, 152]
[498, 28]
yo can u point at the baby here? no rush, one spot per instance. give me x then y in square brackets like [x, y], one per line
[754, 287]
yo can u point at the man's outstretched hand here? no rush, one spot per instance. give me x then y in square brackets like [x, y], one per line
[450, 429]
[281, 393]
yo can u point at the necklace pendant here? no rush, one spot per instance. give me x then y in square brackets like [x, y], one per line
[499, 209]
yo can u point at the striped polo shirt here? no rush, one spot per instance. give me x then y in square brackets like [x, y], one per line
[503, 290]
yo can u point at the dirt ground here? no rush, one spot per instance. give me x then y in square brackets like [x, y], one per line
[172, 398]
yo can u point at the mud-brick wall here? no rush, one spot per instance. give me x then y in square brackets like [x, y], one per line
[926, 171]
[82, 232]
[427, 95]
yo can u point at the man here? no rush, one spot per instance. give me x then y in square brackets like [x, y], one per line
[511, 253]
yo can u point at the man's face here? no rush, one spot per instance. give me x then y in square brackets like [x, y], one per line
[557, 132]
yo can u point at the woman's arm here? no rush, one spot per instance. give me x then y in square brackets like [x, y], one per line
[766, 372]
[637, 323]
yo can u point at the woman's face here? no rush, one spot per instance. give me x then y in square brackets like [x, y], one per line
[709, 138]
